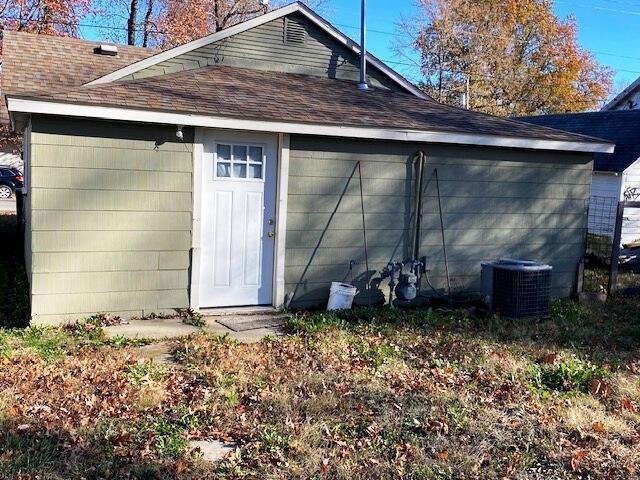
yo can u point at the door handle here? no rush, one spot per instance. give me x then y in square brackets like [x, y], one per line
[271, 234]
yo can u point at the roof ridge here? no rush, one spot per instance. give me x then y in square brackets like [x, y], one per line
[599, 112]
[86, 41]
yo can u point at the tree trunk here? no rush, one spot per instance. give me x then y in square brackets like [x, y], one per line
[216, 16]
[131, 23]
[147, 17]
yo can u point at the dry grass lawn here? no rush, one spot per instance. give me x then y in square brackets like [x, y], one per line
[367, 393]
[370, 394]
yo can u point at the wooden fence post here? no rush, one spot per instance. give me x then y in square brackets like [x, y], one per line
[615, 250]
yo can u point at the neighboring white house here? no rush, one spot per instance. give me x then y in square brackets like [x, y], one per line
[627, 99]
[8, 159]
[616, 176]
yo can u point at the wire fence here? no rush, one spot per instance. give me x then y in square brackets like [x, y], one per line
[600, 230]
[612, 256]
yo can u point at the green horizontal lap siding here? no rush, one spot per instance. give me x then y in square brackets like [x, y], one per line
[102, 179]
[111, 213]
[79, 220]
[112, 200]
[140, 240]
[73, 305]
[263, 48]
[495, 203]
[118, 261]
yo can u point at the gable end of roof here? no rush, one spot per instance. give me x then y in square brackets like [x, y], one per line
[252, 23]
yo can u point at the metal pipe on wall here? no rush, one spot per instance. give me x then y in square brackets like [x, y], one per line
[417, 212]
[363, 48]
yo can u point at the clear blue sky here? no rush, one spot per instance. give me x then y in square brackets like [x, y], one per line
[608, 28]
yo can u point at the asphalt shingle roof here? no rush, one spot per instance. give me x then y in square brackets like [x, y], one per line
[621, 127]
[32, 62]
[261, 95]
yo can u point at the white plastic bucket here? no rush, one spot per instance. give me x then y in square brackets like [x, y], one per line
[341, 296]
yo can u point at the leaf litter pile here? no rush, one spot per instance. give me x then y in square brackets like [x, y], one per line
[359, 394]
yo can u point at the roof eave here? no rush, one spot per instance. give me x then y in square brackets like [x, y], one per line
[17, 104]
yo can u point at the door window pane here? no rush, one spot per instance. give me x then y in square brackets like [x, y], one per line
[223, 169]
[255, 154]
[224, 153]
[239, 153]
[255, 171]
[239, 170]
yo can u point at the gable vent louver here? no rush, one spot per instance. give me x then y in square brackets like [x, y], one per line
[294, 33]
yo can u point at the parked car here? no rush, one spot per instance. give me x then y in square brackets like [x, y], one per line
[10, 180]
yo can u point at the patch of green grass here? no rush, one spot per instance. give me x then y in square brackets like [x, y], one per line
[47, 342]
[571, 375]
[89, 329]
[120, 341]
[374, 320]
[377, 354]
[169, 432]
[148, 371]
[53, 342]
[5, 348]
[314, 323]
[457, 417]
[568, 311]
[23, 453]
[273, 440]
[191, 317]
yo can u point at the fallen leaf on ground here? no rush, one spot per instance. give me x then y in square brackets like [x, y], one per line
[628, 405]
[577, 458]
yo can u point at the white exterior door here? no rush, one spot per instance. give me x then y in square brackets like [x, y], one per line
[238, 219]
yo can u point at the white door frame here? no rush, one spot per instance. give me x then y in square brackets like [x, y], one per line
[282, 182]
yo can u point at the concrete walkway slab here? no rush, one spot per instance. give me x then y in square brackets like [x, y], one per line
[160, 328]
[243, 323]
[156, 352]
[154, 329]
[213, 450]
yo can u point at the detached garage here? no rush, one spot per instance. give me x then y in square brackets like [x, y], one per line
[217, 175]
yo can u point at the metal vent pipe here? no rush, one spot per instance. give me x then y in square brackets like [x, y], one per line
[363, 48]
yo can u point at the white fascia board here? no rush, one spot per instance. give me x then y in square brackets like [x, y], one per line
[16, 104]
[252, 23]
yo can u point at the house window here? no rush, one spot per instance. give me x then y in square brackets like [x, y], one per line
[239, 161]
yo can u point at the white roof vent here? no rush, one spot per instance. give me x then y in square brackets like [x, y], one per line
[105, 49]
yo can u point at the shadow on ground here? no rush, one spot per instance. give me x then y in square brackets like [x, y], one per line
[14, 287]
[36, 451]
